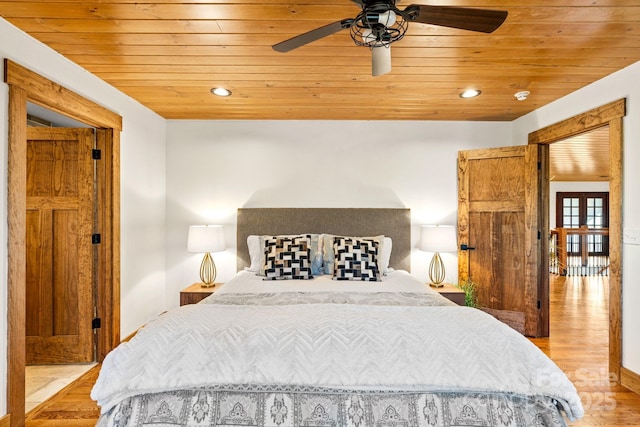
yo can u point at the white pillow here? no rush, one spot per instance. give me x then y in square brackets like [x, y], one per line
[387, 244]
[256, 253]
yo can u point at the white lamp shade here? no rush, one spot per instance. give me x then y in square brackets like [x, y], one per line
[438, 238]
[206, 238]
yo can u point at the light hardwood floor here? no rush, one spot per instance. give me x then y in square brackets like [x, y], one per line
[578, 343]
[44, 381]
[71, 407]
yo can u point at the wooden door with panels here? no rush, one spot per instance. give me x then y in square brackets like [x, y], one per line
[500, 233]
[59, 249]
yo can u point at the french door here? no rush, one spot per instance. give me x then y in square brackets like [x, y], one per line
[584, 210]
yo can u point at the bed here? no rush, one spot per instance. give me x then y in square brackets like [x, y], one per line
[337, 334]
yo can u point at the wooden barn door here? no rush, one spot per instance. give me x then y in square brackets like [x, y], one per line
[59, 250]
[501, 234]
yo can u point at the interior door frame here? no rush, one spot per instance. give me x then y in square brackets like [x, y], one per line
[27, 86]
[610, 114]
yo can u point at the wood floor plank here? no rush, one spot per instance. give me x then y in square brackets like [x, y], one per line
[578, 343]
[72, 406]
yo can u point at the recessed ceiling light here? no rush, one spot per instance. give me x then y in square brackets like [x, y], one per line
[522, 95]
[220, 91]
[470, 93]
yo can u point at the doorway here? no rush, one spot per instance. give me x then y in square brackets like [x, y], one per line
[609, 116]
[24, 87]
[61, 209]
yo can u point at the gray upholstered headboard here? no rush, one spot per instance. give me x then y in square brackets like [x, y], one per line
[394, 223]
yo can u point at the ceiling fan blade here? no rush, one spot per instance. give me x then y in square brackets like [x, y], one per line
[380, 60]
[482, 20]
[312, 35]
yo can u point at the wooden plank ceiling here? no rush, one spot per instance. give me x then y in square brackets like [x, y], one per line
[168, 54]
[583, 157]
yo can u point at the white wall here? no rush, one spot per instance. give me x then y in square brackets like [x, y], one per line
[623, 84]
[216, 167]
[142, 177]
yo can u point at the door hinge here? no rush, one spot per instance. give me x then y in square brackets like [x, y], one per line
[95, 239]
[96, 154]
[539, 305]
[539, 166]
[96, 323]
[539, 235]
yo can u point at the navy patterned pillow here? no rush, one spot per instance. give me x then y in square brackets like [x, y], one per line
[356, 259]
[287, 258]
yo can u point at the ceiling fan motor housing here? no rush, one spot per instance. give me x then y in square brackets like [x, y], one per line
[379, 24]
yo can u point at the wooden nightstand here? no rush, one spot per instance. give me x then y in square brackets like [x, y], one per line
[451, 292]
[196, 293]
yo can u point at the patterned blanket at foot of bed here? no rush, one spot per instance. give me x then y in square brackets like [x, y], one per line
[212, 407]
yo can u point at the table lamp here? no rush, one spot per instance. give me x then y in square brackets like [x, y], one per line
[206, 239]
[436, 239]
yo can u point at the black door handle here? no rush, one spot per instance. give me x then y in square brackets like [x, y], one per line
[466, 248]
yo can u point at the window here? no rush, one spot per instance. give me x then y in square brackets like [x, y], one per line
[590, 210]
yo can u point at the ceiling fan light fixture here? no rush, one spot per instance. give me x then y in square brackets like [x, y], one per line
[378, 28]
[220, 91]
[470, 93]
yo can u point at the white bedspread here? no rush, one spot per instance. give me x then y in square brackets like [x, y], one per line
[337, 346]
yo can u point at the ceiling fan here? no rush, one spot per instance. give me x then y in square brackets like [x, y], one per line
[381, 23]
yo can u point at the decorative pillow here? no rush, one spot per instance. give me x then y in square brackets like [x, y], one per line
[287, 258]
[356, 259]
[256, 247]
[329, 255]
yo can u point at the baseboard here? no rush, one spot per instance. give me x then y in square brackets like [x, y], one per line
[5, 420]
[630, 380]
